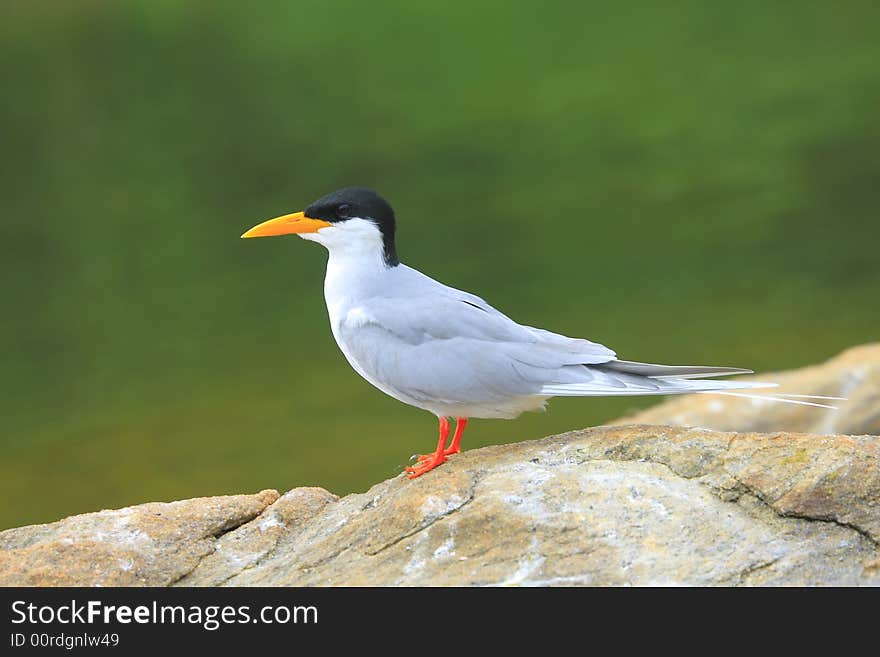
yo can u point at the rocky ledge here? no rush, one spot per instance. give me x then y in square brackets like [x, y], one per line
[637, 504]
[626, 505]
[854, 374]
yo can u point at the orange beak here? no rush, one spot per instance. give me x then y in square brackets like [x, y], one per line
[297, 222]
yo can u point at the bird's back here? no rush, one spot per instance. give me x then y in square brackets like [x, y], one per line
[448, 351]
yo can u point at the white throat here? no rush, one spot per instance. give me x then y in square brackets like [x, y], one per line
[355, 263]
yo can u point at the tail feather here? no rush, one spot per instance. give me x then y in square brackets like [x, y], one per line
[665, 387]
[775, 398]
[654, 370]
[789, 394]
[619, 378]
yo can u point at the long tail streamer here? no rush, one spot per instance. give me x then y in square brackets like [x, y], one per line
[778, 397]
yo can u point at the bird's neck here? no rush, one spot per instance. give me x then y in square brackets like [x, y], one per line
[354, 274]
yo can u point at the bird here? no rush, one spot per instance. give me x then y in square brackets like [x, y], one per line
[448, 351]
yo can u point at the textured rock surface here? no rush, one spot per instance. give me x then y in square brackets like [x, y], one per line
[147, 545]
[245, 547]
[854, 374]
[640, 505]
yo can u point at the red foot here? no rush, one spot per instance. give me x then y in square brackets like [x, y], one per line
[421, 458]
[455, 446]
[427, 462]
[449, 451]
[431, 461]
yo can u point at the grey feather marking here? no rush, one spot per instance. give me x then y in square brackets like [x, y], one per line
[678, 371]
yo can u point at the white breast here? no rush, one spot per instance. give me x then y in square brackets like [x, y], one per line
[351, 279]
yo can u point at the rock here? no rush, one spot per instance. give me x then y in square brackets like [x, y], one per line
[854, 374]
[241, 549]
[628, 505]
[151, 544]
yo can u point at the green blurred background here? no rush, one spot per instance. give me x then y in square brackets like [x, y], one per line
[681, 181]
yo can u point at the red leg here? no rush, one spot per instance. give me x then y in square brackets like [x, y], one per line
[455, 447]
[430, 461]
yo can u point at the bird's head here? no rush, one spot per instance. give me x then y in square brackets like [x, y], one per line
[353, 220]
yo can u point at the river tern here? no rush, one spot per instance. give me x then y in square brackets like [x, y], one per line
[448, 351]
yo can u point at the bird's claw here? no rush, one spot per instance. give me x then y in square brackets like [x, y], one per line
[421, 458]
[431, 461]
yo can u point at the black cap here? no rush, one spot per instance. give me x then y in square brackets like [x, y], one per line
[350, 202]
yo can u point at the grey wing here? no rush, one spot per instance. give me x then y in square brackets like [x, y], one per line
[458, 349]
[677, 371]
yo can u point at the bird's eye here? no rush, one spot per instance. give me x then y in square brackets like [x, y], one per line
[344, 210]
